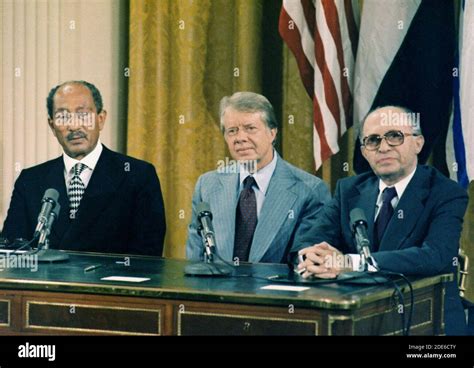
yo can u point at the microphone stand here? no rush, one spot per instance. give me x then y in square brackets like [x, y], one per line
[50, 255]
[43, 252]
[208, 267]
[363, 275]
[363, 249]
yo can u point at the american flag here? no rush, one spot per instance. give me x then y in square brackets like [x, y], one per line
[323, 35]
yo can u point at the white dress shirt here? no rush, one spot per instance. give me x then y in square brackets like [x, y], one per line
[90, 161]
[262, 178]
[399, 187]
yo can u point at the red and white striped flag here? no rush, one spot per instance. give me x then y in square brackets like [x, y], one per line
[323, 35]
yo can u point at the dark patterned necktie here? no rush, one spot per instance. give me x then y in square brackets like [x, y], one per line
[246, 220]
[76, 190]
[385, 214]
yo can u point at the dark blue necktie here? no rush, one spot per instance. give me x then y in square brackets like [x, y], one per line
[246, 220]
[385, 214]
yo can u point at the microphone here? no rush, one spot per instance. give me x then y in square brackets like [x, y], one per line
[206, 230]
[49, 201]
[359, 228]
[47, 229]
[43, 252]
[205, 227]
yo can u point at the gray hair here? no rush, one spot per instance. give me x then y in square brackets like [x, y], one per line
[412, 119]
[249, 102]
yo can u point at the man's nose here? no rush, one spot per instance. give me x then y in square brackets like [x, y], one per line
[241, 136]
[384, 146]
[74, 125]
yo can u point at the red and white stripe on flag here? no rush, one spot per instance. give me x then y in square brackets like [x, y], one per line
[323, 34]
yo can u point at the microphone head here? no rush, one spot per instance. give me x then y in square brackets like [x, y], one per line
[203, 208]
[53, 215]
[56, 210]
[357, 215]
[51, 195]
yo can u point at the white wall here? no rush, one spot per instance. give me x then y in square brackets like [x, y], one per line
[43, 43]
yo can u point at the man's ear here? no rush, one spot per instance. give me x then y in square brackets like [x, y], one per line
[274, 133]
[101, 117]
[363, 151]
[419, 143]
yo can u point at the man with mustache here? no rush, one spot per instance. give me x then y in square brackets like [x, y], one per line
[414, 213]
[110, 203]
[260, 203]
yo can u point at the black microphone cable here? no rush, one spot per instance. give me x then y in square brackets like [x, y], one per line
[24, 245]
[405, 327]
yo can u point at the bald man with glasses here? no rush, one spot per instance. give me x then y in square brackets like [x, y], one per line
[414, 213]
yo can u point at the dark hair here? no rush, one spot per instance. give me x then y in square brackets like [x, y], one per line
[94, 91]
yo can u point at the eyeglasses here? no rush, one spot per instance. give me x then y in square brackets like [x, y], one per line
[392, 137]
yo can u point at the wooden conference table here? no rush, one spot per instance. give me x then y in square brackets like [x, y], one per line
[63, 298]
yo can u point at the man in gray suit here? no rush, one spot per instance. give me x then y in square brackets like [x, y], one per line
[261, 204]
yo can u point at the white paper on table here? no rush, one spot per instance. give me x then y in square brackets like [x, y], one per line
[125, 278]
[285, 287]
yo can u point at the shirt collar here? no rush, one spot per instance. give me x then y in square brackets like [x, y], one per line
[399, 187]
[90, 160]
[262, 176]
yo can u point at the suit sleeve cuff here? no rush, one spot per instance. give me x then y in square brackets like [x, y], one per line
[357, 266]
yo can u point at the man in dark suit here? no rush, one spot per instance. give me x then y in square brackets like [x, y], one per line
[110, 202]
[414, 213]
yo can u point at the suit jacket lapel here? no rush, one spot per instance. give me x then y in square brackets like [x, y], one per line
[365, 200]
[224, 211]
[105, 180]
[279, 200]
[407, 213]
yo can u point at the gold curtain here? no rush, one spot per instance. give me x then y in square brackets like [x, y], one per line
[184, 57]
